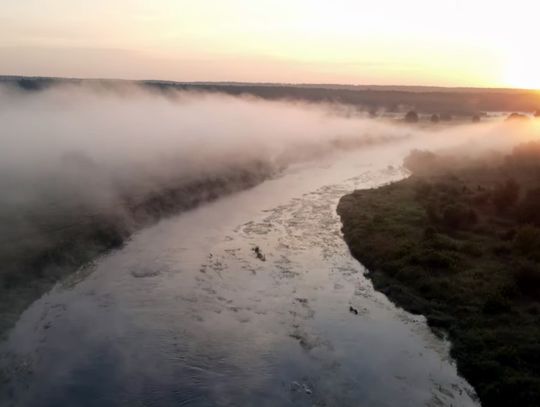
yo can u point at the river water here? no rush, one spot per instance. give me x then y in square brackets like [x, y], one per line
[241, 302]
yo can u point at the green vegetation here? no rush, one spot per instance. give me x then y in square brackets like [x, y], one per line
[459, 242]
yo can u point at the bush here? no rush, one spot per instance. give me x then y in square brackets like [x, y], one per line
[420, 161]
[517, 117]
[457, 216]
[430, 233]
[422, 190]
[471, 249]
[496, 304]
[527, 240]
[431, 258]
[527, 210]
[481, 198]
[505, 195]
[411, 117]
[527, 277]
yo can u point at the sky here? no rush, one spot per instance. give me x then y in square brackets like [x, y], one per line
[387, 42]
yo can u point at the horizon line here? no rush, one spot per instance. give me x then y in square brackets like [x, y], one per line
[290, 84]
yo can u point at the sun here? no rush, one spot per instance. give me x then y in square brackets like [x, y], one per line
[522, 69]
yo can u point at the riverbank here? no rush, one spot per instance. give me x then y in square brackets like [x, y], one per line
[459, 242]
[191, 289]
[68, 234]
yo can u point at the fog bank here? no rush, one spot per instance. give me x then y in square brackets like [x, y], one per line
[119, 154]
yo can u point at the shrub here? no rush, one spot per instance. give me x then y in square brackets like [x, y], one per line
[496, 304]
[457, 216]
[505, 195]
[419, 161]
[502, 249]
[527, 239]
[527, 210]
[430, 258]
[411, 117]
[422, 190]
[481, 198]
[517, 117]
[471, 249]
[527, 277]
[432, 212]
[429, 233]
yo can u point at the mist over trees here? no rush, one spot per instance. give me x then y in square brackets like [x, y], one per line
[83, 165]
[458, 102]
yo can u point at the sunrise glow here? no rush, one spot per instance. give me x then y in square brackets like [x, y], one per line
[419, 42]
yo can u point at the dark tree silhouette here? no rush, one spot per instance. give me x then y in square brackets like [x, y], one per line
[411, 117]
[434, 118]
[517, 116]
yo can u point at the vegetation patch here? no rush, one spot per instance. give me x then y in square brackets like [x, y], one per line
[459, 242]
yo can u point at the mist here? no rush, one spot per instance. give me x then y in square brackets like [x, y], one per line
[96, 149]
[84, 165]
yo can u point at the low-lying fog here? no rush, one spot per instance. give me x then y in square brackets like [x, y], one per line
[73, 151]
[253, 300]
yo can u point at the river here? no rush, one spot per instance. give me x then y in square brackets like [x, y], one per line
[252, 300]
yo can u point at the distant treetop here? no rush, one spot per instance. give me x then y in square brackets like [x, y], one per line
[411, 117]
[517, 116]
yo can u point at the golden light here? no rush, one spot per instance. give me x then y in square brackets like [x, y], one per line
[418, 42]
[523, 71]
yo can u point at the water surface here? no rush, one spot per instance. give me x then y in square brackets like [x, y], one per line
[190, 313]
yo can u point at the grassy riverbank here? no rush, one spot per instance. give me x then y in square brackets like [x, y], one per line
[459, 242]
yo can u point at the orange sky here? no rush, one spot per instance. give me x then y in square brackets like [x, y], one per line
[417, 42]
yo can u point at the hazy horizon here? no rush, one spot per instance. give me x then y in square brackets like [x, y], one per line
[360, 86]
[420, 43]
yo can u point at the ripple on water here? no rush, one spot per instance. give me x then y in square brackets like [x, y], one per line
[203, 320]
